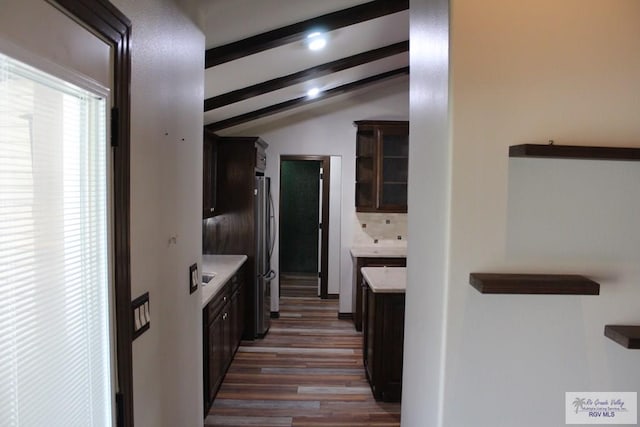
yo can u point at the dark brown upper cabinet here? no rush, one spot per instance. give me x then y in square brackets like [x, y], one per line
[382, 166]
[209, 167]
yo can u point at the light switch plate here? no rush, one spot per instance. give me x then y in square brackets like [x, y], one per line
[194, 278]
[140, 309]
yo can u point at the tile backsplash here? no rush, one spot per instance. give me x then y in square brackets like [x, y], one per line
[384, 229]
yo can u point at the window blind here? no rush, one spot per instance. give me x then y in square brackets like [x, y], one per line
[54, 266]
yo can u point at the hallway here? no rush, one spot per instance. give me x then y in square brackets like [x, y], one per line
[306, 372]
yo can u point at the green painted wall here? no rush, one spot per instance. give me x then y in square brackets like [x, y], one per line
[299, 217]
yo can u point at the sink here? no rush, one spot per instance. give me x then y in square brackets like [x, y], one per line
[207, 277]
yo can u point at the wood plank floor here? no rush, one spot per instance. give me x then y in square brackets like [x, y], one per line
[298, 285]
[306, 372]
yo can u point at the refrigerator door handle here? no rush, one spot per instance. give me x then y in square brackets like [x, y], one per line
[273, 225]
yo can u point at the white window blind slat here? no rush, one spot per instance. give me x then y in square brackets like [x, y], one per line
[54, 280]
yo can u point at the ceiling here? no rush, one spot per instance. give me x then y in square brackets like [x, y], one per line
[258, 64]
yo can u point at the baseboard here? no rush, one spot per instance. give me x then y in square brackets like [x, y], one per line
[333, 296]
[275, 314]
[345, 316]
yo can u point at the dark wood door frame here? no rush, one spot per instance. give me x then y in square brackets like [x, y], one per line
[105, 20]
[324, 253]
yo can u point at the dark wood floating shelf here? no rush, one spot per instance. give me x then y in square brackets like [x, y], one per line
[574, 152]
[625, 335]
[544, 284]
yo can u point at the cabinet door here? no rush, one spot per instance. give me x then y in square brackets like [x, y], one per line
[209, 164]
[382, 166]
[233, 322]
[369, 262]
[242, 302]
[394, 168]
[237, 318]
[241, 309]
[366, 169]
[392, 346]
[226, 339]
[382, 344]
[217, 358]
[205, 358]
[368, 332]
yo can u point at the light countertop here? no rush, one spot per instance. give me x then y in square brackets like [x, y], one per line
[377, 251]
[224, 266]
[386, 279]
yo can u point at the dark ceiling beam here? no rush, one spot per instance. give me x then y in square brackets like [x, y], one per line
[304, 75]
[291, 33]
[297, 102]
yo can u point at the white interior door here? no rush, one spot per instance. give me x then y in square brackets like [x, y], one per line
[57, 351]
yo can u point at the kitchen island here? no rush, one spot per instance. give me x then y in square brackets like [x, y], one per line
[383, 329]
[372, 256]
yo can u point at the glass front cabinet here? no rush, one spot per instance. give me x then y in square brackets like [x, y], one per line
[382, 166]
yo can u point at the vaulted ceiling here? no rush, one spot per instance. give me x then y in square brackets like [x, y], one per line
[258, 62]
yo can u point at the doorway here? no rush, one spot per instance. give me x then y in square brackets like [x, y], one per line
[65, 201]
[304, 226]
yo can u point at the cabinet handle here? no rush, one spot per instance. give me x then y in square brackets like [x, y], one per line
[224, 316]
[211, 210]
[224, 299]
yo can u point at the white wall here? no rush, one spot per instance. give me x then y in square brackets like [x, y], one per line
[327, 129]
[428, 215]
[167, 92]
[525, 72]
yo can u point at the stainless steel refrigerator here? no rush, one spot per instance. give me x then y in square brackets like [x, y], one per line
[265, 240]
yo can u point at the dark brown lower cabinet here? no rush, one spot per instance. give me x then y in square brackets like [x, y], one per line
[216, 357]
[383, 340]
[236, 312]
[222, 328]
[358, 263]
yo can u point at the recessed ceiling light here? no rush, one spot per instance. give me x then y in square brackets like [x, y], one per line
[313, 92]
[316, 40]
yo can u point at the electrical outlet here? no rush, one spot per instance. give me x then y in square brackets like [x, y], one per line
[194, 278]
